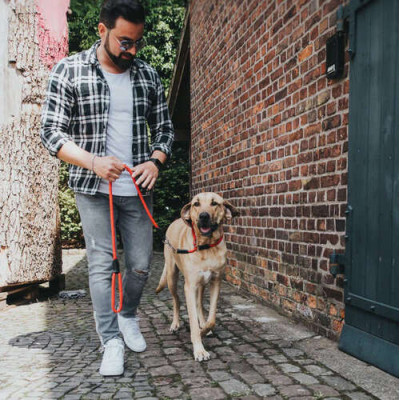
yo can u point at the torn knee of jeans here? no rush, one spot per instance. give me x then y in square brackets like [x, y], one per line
[140, 273]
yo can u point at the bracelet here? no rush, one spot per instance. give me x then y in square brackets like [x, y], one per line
[93, 163]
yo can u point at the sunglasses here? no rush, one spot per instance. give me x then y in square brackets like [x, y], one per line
[125, 45]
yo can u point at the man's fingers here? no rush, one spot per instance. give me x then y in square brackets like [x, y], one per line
[153, 181]
[137, 172]
[147, 181]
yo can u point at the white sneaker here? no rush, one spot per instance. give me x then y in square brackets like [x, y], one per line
[113, 358]
[129, 327]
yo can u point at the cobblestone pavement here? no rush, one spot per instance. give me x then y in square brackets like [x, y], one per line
[49, 350]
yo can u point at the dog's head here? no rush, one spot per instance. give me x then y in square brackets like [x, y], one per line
[207, 211]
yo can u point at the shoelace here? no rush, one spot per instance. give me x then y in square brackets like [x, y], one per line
[113, 344]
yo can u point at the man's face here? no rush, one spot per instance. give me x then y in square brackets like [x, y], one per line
[111, 38]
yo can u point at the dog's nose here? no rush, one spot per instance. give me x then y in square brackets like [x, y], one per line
[204, 216]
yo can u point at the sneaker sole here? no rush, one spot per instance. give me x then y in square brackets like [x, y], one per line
[140, 350]
[111, 373]
[136, 350]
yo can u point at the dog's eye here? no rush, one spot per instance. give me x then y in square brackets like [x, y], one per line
[197, 204]
[214, 203]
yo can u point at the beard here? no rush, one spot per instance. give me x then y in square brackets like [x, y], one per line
[123, 61]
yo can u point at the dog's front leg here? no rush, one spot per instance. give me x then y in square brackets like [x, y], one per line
[199, 352]
[200, 309]
[215, 287]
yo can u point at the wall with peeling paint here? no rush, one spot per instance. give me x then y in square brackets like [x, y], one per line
[33, 37]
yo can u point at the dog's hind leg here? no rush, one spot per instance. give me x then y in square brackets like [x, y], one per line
[200, 308]
[215, 287]
[172, 279]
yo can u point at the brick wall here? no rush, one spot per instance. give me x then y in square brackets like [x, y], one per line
[269, 133]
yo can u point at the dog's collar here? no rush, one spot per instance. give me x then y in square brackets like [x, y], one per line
[195, 248]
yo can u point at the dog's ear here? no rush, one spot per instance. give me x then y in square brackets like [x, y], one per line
[230, 210]
[185, 214]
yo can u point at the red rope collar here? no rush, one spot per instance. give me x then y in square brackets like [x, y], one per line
[195, 247]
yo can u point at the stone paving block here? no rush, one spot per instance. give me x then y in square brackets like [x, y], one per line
[270, 352]
[207, 394]
[293, 390]
[251, 377]
[258, 361]
[219, 376]
[216, 365]
[163, 371]
[154, 361]
[266, 369]
[304, 379]
[338, 382]
[162, 381]
[279, 358]
[150, 398]
[323, 390]
[316, 370]
[199, 381]
[263, 389]
[293, 353]
[287, 368]
[140, 394]
[235, 387]
[358, 396]
[180, 357]
[173, 350]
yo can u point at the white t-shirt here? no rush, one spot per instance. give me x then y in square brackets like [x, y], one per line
[119, 131]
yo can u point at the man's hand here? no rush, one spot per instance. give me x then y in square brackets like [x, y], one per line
[109, 168]
[148, 174]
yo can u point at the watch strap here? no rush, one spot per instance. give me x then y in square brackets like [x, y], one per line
[157, 163]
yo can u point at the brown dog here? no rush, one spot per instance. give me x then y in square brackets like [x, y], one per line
[201, 222]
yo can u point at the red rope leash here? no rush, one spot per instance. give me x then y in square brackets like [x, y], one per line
[115, 265]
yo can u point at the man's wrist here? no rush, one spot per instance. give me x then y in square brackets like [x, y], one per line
[156, 162]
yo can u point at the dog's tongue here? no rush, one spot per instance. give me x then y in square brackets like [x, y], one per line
[205, 230]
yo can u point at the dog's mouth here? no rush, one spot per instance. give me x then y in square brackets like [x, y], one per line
[207, 229]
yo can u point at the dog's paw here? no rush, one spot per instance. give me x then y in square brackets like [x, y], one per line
[201, 355]
[174, 327]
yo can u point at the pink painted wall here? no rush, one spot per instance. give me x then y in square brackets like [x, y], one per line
[52, 30]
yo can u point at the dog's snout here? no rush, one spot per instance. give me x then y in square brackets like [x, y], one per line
[204, 216]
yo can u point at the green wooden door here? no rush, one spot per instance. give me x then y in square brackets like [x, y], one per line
[371, 271]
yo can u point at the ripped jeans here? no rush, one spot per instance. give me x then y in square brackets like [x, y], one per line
[137, 238]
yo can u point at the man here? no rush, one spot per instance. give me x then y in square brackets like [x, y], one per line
[94, 117]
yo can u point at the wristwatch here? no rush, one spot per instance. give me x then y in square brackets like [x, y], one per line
[157, 163]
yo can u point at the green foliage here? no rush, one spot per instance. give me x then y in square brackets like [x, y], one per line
[171, 192]
[71, 228]
[164, 21]
[82, 24]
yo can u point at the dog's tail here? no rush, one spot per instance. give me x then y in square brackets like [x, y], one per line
[163, 280]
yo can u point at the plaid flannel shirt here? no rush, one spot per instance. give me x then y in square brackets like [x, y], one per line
[76, 109]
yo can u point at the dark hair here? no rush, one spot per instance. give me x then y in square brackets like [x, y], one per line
[131, 10]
